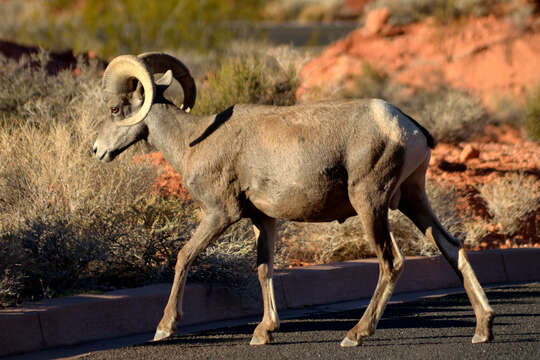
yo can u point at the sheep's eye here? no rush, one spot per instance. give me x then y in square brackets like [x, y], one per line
[115, 110]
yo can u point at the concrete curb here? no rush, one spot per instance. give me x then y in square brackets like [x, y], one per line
[83, 318]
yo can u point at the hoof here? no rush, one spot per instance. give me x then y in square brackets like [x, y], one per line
[479, 339]
[484, 328]
[161, 335]
[257, 340]
[349, 343]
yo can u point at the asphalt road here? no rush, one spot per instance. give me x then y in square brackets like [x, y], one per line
[433, 328]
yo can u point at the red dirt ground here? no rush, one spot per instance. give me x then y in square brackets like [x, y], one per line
[501, 150]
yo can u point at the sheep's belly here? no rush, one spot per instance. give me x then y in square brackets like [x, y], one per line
[317, 202]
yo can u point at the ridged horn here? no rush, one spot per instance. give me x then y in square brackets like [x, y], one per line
[117, 79]
[159, 62]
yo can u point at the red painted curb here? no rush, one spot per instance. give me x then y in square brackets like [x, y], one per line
[118, 313]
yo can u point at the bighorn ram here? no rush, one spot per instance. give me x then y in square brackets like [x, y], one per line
[314, 162]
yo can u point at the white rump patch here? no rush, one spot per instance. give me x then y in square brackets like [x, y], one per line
[389, 120]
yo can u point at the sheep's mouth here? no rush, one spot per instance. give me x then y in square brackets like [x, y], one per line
[110, 155]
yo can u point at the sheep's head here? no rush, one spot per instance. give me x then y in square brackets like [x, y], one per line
[130, 91]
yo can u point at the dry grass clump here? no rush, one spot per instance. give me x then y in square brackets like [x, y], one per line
[450, 115]
[510, 200]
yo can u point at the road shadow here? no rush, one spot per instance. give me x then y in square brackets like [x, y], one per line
[437, 313]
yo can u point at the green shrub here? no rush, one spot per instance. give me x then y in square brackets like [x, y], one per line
[246, 78]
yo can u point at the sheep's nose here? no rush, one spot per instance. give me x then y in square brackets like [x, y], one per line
[95, 149]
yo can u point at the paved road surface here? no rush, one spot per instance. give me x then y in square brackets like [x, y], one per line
[434, 328]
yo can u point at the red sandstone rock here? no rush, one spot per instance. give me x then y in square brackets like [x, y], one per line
[375, 21]
[469, 152]
[487, 56]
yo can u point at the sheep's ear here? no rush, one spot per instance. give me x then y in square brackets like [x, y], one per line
[166, 79]
[139, 92]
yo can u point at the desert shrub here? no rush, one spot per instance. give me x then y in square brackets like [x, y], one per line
[450, 115]
[507, 110]
[29, 94]
[475, 230]
[510, 200]
[532, 113]
[373, 83]
[54, 196]
[323, 242]
[126, 26]
[511, 111]
[444, 11]
[247, 78]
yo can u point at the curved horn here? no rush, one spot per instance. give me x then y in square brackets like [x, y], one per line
[116, 79]
[161, 62]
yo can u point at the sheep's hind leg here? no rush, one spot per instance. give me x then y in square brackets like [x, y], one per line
[415, 204]
[375, 221]
[265, 231]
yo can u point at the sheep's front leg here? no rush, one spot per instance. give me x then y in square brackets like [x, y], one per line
[266, 233]
[212, 225]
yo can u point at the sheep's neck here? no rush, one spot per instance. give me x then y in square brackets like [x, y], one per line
[170, 131]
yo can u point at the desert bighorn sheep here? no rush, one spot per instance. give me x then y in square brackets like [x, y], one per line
[313, 162]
